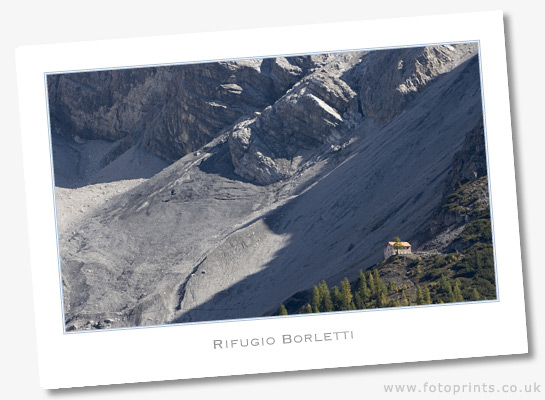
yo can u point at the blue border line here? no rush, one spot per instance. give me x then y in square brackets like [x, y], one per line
[46, 74]
[52, 169]
[490, 206]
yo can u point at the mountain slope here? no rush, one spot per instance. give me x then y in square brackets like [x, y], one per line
[387, 186]
[455, 264]
[309, 188]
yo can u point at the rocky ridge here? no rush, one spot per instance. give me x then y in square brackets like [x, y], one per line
[167, 111]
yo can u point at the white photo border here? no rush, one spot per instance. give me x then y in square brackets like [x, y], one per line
[186, 350]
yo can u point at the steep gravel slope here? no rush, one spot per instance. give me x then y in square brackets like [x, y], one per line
[388, 185]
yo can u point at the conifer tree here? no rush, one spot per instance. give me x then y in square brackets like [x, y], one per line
[457, 292]
[327, 303]
[282, 310]
[404, 299]
[362, 288]
[442, 282]
[427, 295]
[382, 301]
[371, 282]
[475, 295]
[419, 296]
[358, 301]
[380, 287]
[346, 296]
[306, 309]
[336, 298]
[446, 289]
[377, 282]
[316, 299]
[392, 288]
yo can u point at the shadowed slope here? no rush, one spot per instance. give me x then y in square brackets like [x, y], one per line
[389, 185]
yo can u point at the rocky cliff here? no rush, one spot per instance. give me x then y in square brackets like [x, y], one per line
[283, 172]
[166, 111]
[325, 106]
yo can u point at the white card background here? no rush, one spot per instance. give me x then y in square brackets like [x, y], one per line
[470, 328]
[501, 324]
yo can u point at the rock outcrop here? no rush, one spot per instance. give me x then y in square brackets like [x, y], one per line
[271, 146]
[170, 111]
[458, 208]
[386, 81]
[328, 103]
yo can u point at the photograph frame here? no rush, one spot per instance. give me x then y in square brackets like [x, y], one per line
[198, 339]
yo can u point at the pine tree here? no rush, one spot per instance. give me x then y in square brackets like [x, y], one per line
[327, 303]
[475, 295]
[442, 282]
[282, 310]
[371, 282]
[380, 287]
[362, 288]
[346, 296]
[336, 298]
[404, 299]
[419, 296]
[316, 299]
[457, 292]
[382, 301]
[378, 282]
[392, 288]
[446, 289]
[427, 295]
[306, 309]
[358, 301]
